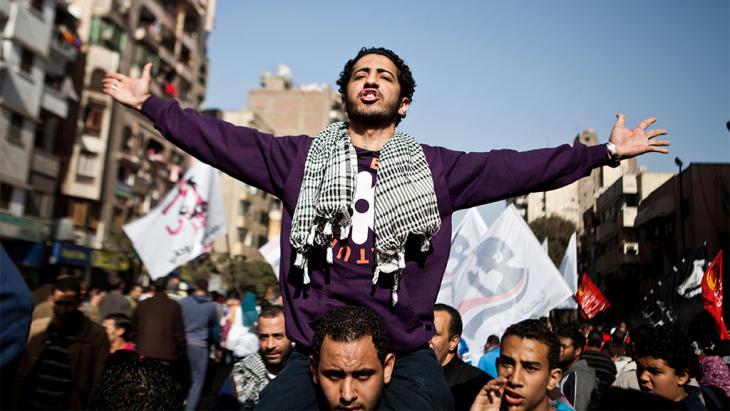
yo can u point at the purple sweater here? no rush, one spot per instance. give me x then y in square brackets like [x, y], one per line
[461, 180]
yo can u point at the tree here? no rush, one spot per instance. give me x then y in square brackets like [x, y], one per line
[558, 231]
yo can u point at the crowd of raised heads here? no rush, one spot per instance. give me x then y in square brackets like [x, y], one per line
[179, 345]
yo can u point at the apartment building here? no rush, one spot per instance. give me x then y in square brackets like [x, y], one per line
[120, 167]
[38, 100]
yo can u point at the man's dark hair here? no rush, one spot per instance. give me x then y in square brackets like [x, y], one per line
[572, 331]
[201, 284]
[122, 321]
[137, 384]
[538, 331]
[160, 285]
[405, 77]
[271, 311]
[349, 324]
[595, 339]
[666, 343]
[455, 325]
[68, 284]
[492, 340]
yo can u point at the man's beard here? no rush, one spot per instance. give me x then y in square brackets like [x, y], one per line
[376, 118]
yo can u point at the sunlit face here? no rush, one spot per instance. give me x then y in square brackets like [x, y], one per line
[113, 333]
[350, 374]
[273, 343]
[657, 377]
[64, 302]
[568, 352]
[524, 362]
[373, 92]
[440, 343]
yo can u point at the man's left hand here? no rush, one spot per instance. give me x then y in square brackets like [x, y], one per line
[633, 142]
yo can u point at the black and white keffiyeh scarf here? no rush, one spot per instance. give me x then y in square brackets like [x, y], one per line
[405, 200]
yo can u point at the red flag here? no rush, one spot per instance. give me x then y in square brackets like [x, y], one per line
[712, 291]
[590, 298]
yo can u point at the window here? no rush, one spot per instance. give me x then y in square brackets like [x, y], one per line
[6, 193]
[96, 77]
[34, 204]
[264, 219]
[243, 235]
[15, 130]
[78, 213]
[26, 61]
[245, 207]
[263, 240]
[37, 5]
[93, 117]
[107, 34]
[87, 165]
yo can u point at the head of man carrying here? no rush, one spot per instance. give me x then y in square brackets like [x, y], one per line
[274, 345]
[350, 362]
[448, 325]
[572, 342]
[528, 369]
[66, 300]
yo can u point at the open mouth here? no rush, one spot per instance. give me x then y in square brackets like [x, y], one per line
[369, 95]
[512, 398]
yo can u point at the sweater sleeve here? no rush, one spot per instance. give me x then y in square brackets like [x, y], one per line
[256, 158]
[479, 178]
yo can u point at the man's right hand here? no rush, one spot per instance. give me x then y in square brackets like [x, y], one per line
[129, 91]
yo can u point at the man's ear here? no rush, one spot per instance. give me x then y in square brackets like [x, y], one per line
[388, 366]
[682, 377]
[555, 375]
[454, 343]
[313, 369]
[405, 103]
[578, 351]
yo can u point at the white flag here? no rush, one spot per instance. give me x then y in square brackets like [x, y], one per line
[463, 240]
[271, 251]
[177, 230]
[569, 271]
[508, 278]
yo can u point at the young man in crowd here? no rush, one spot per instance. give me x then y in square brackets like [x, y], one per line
[64, 356]
[350, 362]
[252, 373]
[528, 369]
[488, 362]
[579, 379]
[464, 380]
[202, 328]
[366, 209]
[665, 363]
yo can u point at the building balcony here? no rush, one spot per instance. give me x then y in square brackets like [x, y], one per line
[22, 92]
[123, 190]
[141, 185]
[32, 29]
[45, 163]
[53, 102]
[64, 45]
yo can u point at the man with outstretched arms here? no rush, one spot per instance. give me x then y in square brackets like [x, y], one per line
[366, 209]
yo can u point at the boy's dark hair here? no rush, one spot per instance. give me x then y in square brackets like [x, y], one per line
[349, 324]
[538, 331]
[68, 284]
[455, 325]
[122, 321]
[160, 285]
[492, 340]
[667, 343]
[405, 77]
[572, 331]
[137, 384]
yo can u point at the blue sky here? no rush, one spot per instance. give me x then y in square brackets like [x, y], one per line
[504, 74]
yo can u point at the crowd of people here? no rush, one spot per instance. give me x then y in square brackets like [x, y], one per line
[157, 348]
[366, 232]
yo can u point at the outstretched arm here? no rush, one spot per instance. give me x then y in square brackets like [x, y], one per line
[253, 157]
[479, 178]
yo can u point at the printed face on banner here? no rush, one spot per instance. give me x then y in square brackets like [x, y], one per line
[187, 207]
